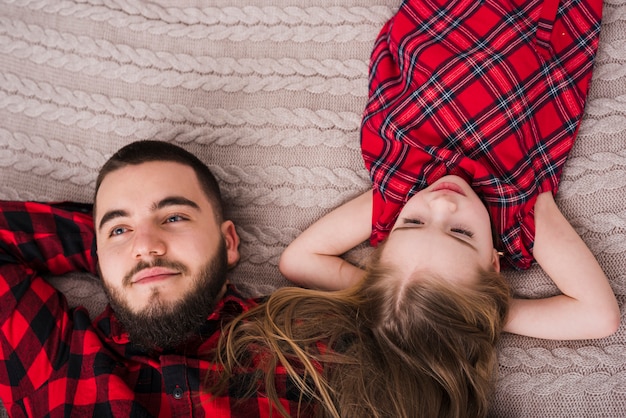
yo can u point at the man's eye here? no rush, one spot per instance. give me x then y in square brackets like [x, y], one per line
[117, 231]
[463, 232]
[174, 218]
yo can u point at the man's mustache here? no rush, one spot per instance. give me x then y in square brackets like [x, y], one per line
[158, 262]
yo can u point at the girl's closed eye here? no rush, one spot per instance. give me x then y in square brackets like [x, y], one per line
[412, 221]
[463, 231]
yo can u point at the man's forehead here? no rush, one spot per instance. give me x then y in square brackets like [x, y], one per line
[147, 184]
[137, 175]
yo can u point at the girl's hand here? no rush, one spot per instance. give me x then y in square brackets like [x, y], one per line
[313, 258]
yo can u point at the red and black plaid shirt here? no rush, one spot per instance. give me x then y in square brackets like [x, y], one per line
[55, 362]
[489, 90]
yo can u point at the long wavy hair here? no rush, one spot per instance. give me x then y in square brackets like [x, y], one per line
[387, 347]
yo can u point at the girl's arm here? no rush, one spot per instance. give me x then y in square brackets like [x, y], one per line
[587, 307]
[313, 258]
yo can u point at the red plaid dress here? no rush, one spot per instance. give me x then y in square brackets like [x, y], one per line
[490, 90]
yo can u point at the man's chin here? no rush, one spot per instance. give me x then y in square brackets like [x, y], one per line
[155, 304]
[163, 325]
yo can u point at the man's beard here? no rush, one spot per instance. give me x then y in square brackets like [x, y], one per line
[166, 325]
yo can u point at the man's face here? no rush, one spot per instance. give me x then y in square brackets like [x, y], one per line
[159, 244]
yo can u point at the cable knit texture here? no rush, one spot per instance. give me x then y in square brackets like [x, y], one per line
[270, 95]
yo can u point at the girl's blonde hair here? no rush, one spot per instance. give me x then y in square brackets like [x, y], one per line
[387, 347]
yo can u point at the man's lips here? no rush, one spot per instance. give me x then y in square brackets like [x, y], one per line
[449, 186]
[153, 274]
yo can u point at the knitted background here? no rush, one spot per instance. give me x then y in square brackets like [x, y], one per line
[270, 94]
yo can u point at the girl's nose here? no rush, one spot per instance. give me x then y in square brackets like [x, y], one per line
[444, 204]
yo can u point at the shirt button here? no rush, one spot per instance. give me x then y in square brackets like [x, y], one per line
[177, 393]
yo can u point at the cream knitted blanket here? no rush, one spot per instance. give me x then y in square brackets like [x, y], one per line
[270, 94]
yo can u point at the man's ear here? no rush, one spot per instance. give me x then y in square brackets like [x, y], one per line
[495, 260]
[231, 240]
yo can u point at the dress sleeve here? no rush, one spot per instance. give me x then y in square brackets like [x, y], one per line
[36, 325]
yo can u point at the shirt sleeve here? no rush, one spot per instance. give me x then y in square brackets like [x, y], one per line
[35, 323]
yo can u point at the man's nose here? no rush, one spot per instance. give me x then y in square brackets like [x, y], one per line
[148, 242]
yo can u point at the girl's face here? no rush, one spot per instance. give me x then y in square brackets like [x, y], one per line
[444, 229]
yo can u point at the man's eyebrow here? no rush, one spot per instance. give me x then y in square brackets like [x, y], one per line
[459, 239]
[163, 203]
[175, 201]
[110, 215]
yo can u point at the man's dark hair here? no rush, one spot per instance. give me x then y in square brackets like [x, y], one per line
[145, 151]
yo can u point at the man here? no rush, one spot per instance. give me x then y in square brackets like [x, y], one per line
[163, 248]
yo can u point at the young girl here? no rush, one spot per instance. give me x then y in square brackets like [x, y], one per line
[473, 110]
